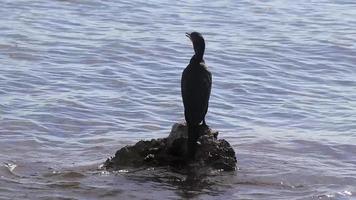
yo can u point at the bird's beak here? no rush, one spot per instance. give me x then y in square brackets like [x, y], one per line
[188, 35]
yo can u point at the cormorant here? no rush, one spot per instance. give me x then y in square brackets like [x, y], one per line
[195, 88]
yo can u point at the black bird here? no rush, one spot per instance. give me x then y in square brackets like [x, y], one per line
[195, 87]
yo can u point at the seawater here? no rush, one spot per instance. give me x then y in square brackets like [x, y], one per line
[81, 79]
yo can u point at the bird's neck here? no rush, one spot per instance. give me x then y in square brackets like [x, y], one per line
[199, 53]
[196, 60]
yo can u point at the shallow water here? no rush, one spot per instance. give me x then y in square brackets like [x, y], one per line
[80, 79]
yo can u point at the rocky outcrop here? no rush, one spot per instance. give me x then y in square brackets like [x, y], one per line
[211, 152]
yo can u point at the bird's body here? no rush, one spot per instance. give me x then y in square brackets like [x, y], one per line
[196, 87]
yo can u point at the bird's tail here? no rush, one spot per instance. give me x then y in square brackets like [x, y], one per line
[193, 135]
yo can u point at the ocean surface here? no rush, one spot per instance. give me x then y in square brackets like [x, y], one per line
[81, 79]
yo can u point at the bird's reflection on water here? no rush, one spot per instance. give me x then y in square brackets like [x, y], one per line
[185, 183]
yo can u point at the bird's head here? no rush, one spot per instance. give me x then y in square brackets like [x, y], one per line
[198, 42]
[195, 37]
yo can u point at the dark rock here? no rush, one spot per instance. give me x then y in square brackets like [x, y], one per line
[211, 152]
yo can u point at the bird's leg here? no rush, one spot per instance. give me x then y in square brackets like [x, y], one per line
[204, 124]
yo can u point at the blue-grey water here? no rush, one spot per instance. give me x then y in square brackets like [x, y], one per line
[81, 79]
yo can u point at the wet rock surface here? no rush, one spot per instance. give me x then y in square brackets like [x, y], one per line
[211, 152]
